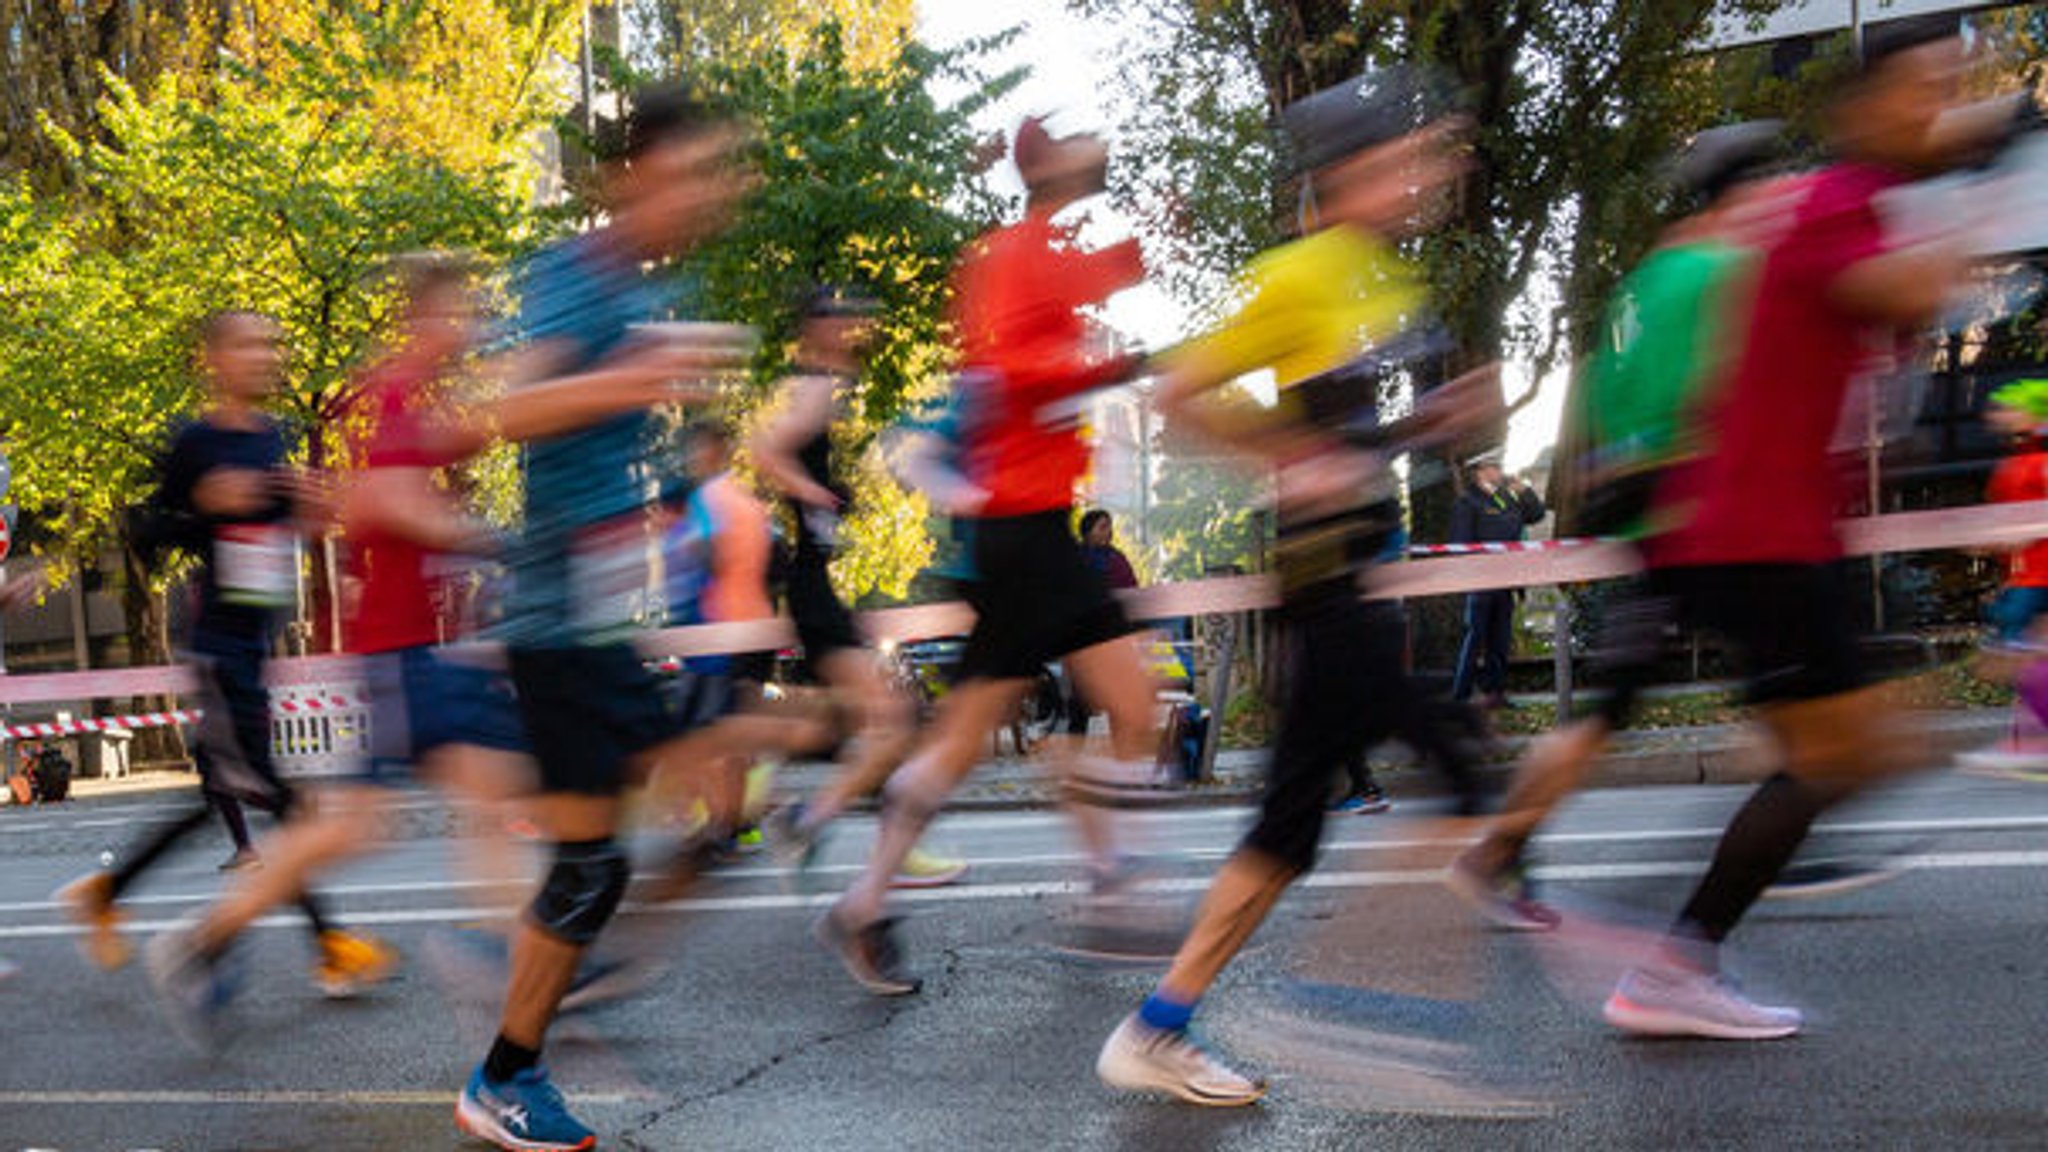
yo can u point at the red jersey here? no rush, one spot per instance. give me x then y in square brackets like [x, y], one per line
[1017, 300]
[2024, 476]
[1766, 491]
[396, 606]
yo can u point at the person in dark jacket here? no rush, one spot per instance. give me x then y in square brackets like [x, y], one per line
[1494, 508]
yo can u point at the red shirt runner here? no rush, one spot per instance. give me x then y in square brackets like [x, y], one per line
[1017, 301]
[396, 607]
[1766, 491]
[2022, 477]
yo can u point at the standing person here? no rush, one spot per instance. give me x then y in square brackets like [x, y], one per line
[1324, 313]
[452, 718]
[1098, 548]
[1663, 353]
[1494, 508]
[593, 712]
[1756, 557]
[1026, 358]
[226, 494]
[795, 453]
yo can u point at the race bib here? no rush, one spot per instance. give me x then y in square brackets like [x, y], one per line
[608, 573]
[255, 564]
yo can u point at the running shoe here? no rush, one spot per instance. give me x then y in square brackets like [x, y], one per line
[350, 962]
[8, 968]
[523, 1114]
[1811, 880]
[922, 869]
[242, 861]
[1140, 1058]
[89, 900]
[868, 953]
[1501, 898]
[193, 991]
[604, 979]
[1668, 1000]
[2019, 757]
[1365, 802]
[479, 961]
[790, 844]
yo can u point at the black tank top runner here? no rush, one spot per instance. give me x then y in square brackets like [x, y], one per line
[817, 531]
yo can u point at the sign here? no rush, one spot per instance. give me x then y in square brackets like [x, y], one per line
[1734, 28]
[6, 537]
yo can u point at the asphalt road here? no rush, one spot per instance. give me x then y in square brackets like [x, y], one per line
[1383, 1017]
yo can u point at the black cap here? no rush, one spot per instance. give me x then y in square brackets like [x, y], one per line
[1373, 108]
[1719, 159]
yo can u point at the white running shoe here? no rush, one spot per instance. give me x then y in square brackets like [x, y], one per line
[1140, 1058]
[1659, 1000]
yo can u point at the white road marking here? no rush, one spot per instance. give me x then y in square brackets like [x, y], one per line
[765, 902]
[263, 1099]
[1067, 859]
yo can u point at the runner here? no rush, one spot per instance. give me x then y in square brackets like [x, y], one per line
[1755, 558]
[594, 714]
[443, 712]
[1023, 345]
[1665, 333]
[226, 495]
[2020, 410]
[1326, 314]
[794, 453]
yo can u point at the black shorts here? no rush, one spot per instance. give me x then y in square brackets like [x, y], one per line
[1789, 624]
[588, 712]
[1037, 598]
[823, 624]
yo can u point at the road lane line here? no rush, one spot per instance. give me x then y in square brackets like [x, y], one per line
[1028, 890]
[282, 1097]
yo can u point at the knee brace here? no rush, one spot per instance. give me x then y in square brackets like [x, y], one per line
[582, 890]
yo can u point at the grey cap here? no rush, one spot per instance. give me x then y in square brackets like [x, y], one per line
[1718, 159]
[1372, 108]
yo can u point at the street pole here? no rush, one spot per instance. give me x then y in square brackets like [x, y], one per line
[1873, 443]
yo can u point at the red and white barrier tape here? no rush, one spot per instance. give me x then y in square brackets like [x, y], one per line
[1502, 547]
[101, 724]
[1543, 562]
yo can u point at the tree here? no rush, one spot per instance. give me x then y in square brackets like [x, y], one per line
[864, 181]
[281, 186]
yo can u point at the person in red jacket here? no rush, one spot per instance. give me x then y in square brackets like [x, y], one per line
[2020, 410]
[1028, 357]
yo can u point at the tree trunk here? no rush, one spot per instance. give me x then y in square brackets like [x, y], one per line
[149, 644]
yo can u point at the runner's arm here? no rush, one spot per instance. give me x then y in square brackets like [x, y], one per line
[807, 410]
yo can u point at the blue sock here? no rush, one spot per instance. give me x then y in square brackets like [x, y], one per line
[1165, 1015]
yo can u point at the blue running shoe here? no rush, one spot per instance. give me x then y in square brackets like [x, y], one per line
[523, 1114]
[193, 991]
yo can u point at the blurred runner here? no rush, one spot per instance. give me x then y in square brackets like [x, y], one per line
[1329, 314]
[1755, 556]
[2020, 410]
[1027, 361]
[593, 366]
[794, 453]
[1663, 351]
[431, 707]
[226, 495]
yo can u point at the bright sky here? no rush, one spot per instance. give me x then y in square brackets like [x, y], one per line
[1068, 59]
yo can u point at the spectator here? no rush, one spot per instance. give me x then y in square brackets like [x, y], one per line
[1493, 508]
[1098, 534]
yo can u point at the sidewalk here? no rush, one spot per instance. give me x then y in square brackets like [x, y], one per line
[1709, 754]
